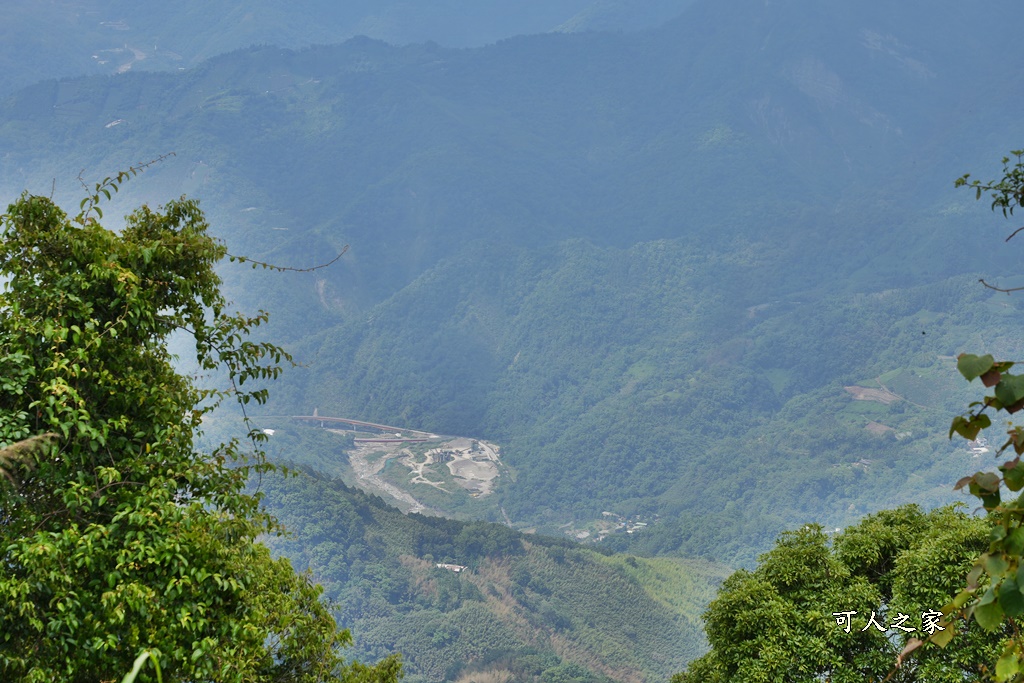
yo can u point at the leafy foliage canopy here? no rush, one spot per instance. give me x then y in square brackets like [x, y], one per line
[116, 535]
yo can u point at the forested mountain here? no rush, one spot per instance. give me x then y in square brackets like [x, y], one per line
[712, 271]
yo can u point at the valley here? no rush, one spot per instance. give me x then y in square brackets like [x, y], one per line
[696, 281]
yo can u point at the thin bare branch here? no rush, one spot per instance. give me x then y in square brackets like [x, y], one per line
[281, 269]
[1000, 289]
[1014, 233]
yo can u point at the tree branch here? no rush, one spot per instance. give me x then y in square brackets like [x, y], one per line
[1000, 289]
[1014, 233]
[281, 269]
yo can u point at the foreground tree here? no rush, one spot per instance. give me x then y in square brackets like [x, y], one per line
[841, 612]
[116, 535]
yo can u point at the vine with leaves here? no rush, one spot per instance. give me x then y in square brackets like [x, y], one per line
[994, 594]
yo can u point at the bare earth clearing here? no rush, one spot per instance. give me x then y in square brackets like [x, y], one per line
[367, 470]
[878, 395]
[473, 465]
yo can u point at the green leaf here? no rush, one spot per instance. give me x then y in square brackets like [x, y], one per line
[942, 638]
[996, 565]
[969, 428]
[971, 366]
[1008, 665]
[1010, 598]
[140, 661]
[991, 501]
[1014, 477]
[961, 599]
[1014, 543]
[989, 615]
[985, 482]
[1020, 574]
[1010, 389]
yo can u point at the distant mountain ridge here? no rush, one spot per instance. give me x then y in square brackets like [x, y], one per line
[60, 39]
[627, 130]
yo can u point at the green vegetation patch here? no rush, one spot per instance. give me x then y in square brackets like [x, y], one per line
[684, 586]
[519, 598]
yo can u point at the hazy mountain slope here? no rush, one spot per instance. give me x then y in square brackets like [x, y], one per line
[526, 605]
[614, 382]
[682, 131]
[647, 264]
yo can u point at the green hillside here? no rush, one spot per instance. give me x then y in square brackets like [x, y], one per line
[526, 608]
[642, 398]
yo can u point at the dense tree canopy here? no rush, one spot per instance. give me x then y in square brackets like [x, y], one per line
[843, 611]
[116, 535]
